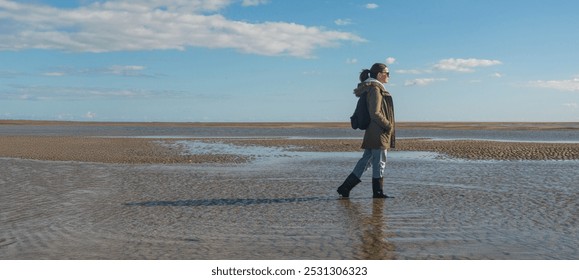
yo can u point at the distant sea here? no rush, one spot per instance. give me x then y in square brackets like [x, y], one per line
[563, 136]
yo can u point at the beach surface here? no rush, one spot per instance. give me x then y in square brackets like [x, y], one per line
[267, 191]
[89, 147]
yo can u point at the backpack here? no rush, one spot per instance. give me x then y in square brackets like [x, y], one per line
[361, 117]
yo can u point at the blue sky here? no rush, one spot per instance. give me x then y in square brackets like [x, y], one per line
[274, 60]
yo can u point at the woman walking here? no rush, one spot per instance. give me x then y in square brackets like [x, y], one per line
[379, 135]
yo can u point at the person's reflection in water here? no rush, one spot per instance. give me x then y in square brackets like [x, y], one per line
[370, 230]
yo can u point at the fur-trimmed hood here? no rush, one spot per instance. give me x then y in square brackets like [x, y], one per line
[365, 85]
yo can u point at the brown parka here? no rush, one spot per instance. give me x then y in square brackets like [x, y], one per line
[380, 134]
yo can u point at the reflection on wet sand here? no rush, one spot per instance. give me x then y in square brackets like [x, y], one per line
[225, 202]
[287, 208]
[370, 230]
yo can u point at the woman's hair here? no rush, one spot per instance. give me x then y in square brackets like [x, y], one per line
[373, 71]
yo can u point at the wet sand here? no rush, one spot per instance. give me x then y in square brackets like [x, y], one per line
[103, 150]
[73, 197]
[147, 151]
[81, 145]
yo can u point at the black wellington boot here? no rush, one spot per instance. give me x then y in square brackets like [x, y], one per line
[378, 188]
[348, 185]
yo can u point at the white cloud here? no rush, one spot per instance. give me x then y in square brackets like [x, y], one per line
[372, 6]
[125, 70]
[54, 74]
[64, 116]
[312, 73]
[464, 65]
[423, 81]
[247, 3]
[125, 25]
[351, 61]
[563, 85]
[571, 105]
[455, 64]
[9, 74]
[39, 93]
[90, 115]
[390, 60]
[116, 70]
[342, 22]
[410, 71]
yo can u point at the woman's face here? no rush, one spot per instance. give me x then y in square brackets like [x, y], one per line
[384, 76]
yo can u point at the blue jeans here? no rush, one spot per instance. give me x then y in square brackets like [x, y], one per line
[374, 157]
